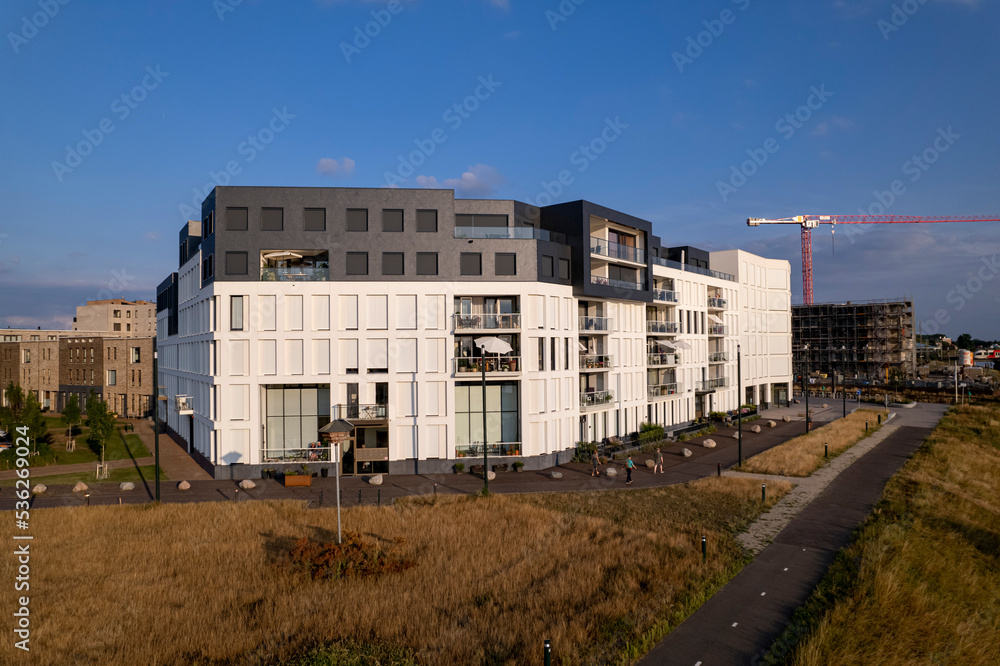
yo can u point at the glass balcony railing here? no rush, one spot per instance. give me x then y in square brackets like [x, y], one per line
[661, 326]
[716, 303]
[711, 384]
[661, 359]
[654, 391]
[596, 362]
[317, 453]
[718, 357]
[665, 296]
[295, 274]
[184, 404]
[475, 450]
[487, 322]
[617, 284]
[718, 329]
[596, 323]
[361, 412]
[494, 364]
[668, 263]
[512, 233]
[595, 399]
[613, 250]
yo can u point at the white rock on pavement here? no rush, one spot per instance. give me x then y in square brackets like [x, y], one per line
[555, 475]
[375, 480]
[709, 443]
[247, 484]
[80, 487]
[183, 485]
[611, 471]
[39, 489]
[126, 485]
[686, 452]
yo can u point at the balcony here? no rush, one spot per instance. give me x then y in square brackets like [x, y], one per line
[661, 326]
[185, 404]
[716, 303]
[318, 453]
[596, 362]
[661, 359]
[487, 322]
[718, 330]
[712, 384]
[494, 365]
[665, 296]
[718, 357]
[596, 324]
[510, 233]
[355, 413]
[591, 399]
[493, 450]
[617, 251]
[656, 391]
[617, 284]
[295, 274]
[668, 263]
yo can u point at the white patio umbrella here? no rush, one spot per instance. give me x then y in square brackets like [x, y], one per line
[717, 320]
[489, 345]
[583, 347]
[492, 345]
[283, 254]
[682, 345]
[669, 344]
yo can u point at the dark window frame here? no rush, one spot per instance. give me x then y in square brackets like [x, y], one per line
[466, 256]
[392, 256]
[422, 219]
[426, 256]
[393, 212]
[305, 218]
[501, 258]
[265, 213]
[356, 256]
[234, 224]
[230, 256]
[347, 219]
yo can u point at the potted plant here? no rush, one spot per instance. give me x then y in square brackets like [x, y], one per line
[293, 478]
[459, 467]
[518, 466]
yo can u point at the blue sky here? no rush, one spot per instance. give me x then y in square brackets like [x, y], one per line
[691, 90]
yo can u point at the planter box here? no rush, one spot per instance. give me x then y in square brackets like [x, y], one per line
[500, 468]
[298, 480]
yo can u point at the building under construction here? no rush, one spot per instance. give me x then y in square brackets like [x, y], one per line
[868, 340]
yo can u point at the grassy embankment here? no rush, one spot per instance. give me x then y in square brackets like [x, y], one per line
[920, 583]
[602, 574]
[805, 454]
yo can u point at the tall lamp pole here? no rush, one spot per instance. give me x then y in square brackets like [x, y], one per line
[805, 386]
[843, 348]
[739, 400]
[486, 473]
[156, 423]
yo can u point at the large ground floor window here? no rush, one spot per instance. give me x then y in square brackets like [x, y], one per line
[293, 416]
[503, 423]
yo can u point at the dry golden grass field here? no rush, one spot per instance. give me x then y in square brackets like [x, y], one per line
[804, 455]
[602, 574]
[921, 585]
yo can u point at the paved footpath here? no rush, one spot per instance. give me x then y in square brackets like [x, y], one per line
[739, 624]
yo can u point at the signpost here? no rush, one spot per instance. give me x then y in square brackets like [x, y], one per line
[337, 431]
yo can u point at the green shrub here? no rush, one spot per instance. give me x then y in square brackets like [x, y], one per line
[584, 452]
[459, 467]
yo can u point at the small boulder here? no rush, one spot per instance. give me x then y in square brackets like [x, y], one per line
[183, 485]
[709, 443]
[247, 484]
[771, 424]
[786, 418]
[80, 487]
[611, 471]
[736, 435]
[755, 428]
[686, 452]
[825, 405]
[490, 475]
[39, 489]
[650, 464]
[555, 475]
[126, 485]
[377, 480]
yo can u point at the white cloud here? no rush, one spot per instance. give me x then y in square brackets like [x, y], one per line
[152, 236]
[824, 127]
[333, 168]
[479, 180]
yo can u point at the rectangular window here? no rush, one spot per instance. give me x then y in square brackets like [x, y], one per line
[271, 219]
[315, 219]
[427, 263]
[541, 353]
[471, 263]
[392, 263]
[357, 263]
[128, 327]
[392, 220]
[117, 314]
[112, 378]
[566, 355]
[427, 221]
[552, 355]
[27, 356]
[564, 269]
[357, 219]
[236, 219]
[501, 413]
[480, 220]
[236, 313]
[236, 263]
[136, 354]
[117, 327]
[546, 266]
[506, 263]
[128, 314]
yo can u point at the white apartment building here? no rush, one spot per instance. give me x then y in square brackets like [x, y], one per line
[296, 306]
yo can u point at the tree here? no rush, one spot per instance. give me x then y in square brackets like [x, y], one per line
[964, 341]
[33, 419]
[70, 417]
[101, 422]
[10, 416]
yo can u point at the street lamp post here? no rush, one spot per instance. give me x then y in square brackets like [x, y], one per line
[805, 386]
[739, 401]
[156, 424]
[486, 472]
[843, 349]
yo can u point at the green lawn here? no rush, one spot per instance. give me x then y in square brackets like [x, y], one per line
[116, 476]
[116, 450]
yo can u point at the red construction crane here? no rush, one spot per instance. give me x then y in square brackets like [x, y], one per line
[810, 222]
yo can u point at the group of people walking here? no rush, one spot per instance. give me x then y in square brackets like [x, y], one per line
[629, 465]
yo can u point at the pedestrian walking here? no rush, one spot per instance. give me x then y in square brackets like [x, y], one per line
[658, 461]
[596, 461]
[629, 466]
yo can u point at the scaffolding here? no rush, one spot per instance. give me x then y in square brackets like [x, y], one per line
[873, 341]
